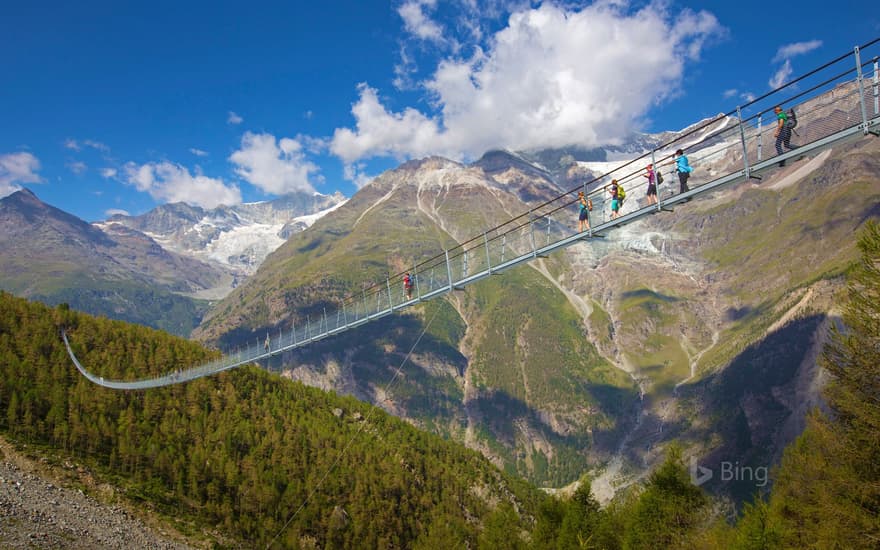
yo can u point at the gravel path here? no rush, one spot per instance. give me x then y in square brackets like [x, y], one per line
[36, 512]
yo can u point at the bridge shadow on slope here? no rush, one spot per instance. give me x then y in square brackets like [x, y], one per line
[644, 293]
[750, 404]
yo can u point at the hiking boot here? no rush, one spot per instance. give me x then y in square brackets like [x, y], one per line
[781, 163]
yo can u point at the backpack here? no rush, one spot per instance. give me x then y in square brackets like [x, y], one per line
[659, 178]
[790, 119]
[589, 204]
[621, 194]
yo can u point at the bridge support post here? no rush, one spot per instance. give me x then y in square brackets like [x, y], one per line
[760, 137]
[448, 269]
[742, 139]
[488, 256]
[876, 87]
[532, 234]
[861, 80]
[390, 301]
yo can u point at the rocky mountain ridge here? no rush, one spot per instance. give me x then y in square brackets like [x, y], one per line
[234, 238]
[157, 269]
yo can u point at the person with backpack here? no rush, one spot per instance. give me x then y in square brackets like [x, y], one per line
[585, 205]
[614, 190]
[407, 285]
[785, 123]
[652, 184]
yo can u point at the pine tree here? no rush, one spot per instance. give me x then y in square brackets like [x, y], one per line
[581, 521]
[669, 509]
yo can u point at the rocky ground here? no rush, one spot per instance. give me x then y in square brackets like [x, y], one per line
[39, 508]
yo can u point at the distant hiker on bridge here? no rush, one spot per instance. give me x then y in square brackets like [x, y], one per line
[652, 183]
[785, 123]
[585, 206]
[407, 285]
[266, 344]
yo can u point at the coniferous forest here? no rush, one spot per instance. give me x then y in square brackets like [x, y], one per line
[270, 462]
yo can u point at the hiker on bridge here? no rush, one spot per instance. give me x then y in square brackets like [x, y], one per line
[614, 190]
[408, 285]
[683, 168]
[785, 123]
[653, 180]
[585, 206]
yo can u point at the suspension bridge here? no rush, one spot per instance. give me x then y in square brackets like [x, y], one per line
[835, 103]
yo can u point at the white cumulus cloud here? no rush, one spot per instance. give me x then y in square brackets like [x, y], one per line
[275, 166]
[169, 182]
[355, 173]
[784, 54]
[798, 48]
[781, 75]
[108, 173]
[233, 118]
[551, 77]
[17, 168]
[417, 22]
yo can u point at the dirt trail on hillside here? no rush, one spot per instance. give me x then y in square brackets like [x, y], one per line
[39, 508]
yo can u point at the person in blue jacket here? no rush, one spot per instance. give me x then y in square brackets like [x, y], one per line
[683, 168]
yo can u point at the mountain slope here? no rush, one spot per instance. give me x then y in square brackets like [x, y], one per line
[54, 257]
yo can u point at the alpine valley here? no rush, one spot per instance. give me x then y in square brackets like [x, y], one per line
[699, 327]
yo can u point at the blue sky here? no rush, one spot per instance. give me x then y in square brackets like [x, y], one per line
[121, 106]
